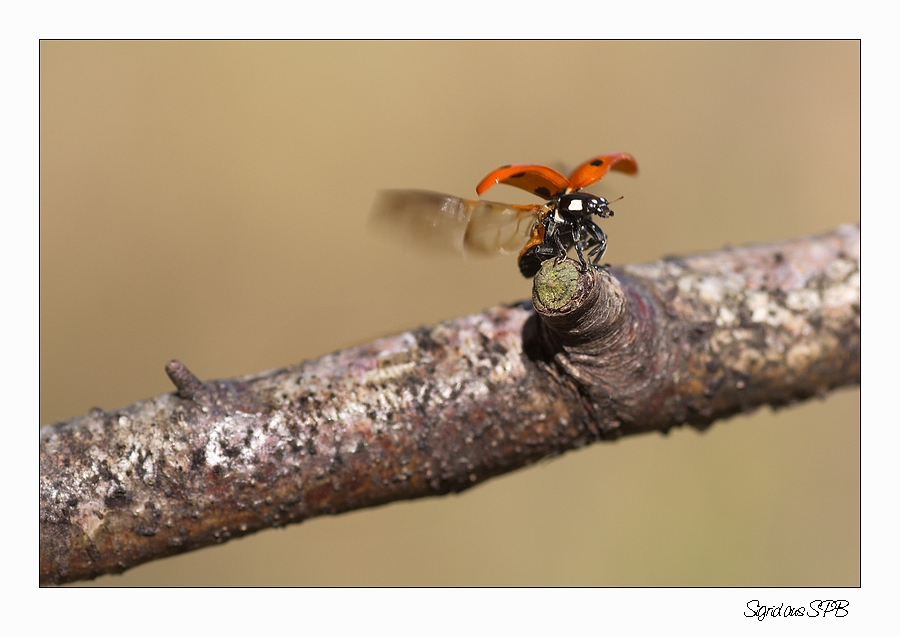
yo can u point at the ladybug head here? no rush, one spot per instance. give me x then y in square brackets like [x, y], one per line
[579, 204]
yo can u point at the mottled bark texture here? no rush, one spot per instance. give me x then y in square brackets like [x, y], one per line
[600, 355]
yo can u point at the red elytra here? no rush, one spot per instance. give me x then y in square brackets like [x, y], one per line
[546, 182]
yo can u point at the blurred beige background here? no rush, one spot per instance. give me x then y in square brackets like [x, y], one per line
[209, 200]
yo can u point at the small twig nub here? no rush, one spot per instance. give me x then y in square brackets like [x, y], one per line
[188, 385]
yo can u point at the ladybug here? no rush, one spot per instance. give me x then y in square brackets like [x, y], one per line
[486, 227]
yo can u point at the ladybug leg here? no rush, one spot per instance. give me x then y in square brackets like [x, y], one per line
[561, 249]
[593, 239]
[579, 244]
[597, 242]
[553, 245]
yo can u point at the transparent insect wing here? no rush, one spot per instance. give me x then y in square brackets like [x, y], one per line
[432, 220]
[421, 218]
[539, 180]
[499, 228]
[594, 169]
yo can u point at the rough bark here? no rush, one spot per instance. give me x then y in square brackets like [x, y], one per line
[598, 355]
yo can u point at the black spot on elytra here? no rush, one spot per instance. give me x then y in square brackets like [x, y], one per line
[543, 192]
[597, 162]
[517, 175]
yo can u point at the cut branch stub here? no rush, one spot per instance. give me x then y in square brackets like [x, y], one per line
[603, 334]
[691, 340]
[555, 285]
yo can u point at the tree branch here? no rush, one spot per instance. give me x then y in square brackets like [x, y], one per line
[599, 355]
